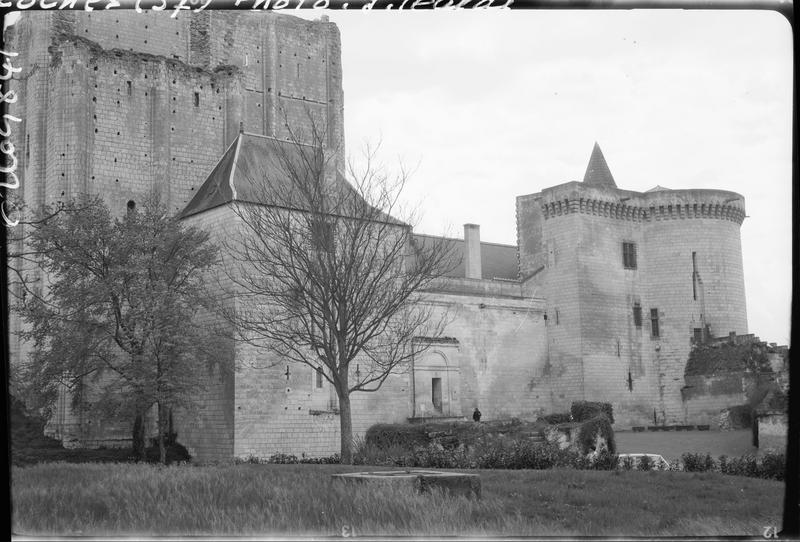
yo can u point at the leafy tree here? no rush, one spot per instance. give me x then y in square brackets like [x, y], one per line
[326, 275]
[120, 311]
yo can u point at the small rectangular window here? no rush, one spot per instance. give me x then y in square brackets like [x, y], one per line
[629, 255]
[694, 275]
[637, 315]
[130, 88]
[654, 323]
[320, 378]
[322, 235]
[197, 99]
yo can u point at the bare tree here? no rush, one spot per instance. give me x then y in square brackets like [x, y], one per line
[326, 275]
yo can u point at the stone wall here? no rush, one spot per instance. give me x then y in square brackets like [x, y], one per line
[704, 397]
[772, 431]
[688, 275]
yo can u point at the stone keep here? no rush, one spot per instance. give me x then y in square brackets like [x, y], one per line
[631, 281]
[123, 103]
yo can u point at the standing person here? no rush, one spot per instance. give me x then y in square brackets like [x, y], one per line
[476, 415]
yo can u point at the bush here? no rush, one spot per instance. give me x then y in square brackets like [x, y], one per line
[588, 431]
[773, 466]
[559, 417]
[386, 435]
[175, 453]
[329, 460]
[697, 462]
[283, 459]
[741, 416]
[586, 410]
[645, 463]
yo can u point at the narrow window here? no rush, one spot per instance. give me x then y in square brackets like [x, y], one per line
[319, 378]
[556, 316]
[322, 235]
[27, 147]
[630, 381]
[298, 70]
[618, 348]
[637, 315]
[698, 335]
[197, 99]
[436, 393]
[130, 88]
[629, 255]
[694, 275]
[654, 323]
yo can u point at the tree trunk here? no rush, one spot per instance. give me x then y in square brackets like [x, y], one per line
[138, 437]
[162, 451]
[346, 429]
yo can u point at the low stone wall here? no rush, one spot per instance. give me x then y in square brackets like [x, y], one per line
[772, 430]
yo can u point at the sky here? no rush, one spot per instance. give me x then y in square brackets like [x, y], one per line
[487, 106]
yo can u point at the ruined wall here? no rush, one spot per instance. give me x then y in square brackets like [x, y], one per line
[704, 397]
[772, 431]
[123, 103]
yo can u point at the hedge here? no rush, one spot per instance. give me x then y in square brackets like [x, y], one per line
[590, 428]
[386, 435]
[558, 417]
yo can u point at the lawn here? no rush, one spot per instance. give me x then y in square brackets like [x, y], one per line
[302, 500]
[672, 444]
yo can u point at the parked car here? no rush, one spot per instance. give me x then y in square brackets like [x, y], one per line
[634, 461]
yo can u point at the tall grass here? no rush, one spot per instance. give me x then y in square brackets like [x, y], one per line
[137, 499]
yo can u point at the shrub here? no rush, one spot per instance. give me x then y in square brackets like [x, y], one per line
[175, 453]
[387, 435]
[586, 410]
[645, 463]
[773, 466]
[588, 431]
[283, 459]
[697, 462]
[329, 460]
[605, 460]
[559, 417]
[741, 416]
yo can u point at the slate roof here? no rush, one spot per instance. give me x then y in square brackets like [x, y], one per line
[597, 172]
[259, 169]
[497, 261]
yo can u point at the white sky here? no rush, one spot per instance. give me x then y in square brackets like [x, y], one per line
[489, 105]
[492, 105]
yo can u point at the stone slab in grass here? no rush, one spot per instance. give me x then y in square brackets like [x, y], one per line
[455, 483]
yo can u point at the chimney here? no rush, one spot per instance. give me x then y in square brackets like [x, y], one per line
[472, 251]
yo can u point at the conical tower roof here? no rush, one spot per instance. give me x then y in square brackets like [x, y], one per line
[597, 172]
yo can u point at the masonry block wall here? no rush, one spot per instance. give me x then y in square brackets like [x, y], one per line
[704, 397]
[124, 104]
[687, 279]
[499, 348]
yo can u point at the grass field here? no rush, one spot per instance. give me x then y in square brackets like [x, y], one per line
[673, 444]
[135, 499]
